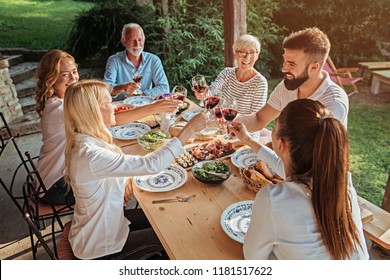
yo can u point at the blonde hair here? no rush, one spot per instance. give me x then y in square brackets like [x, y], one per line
[247, 41]
[48, 72]
[82, 116]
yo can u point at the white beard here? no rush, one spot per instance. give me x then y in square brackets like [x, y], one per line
[136, 52]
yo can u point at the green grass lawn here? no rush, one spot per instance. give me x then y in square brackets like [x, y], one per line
[368, 129]
[37, 24]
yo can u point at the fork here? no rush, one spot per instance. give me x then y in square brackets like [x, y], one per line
[177, 199]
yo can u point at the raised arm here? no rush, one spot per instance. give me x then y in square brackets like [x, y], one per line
[259, 120]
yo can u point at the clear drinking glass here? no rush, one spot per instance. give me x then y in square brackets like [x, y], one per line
[179, 93]
[200, 85]
[229, 112]
[137, 78]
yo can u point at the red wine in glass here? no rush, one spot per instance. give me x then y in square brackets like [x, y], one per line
[211, 102]
[229, 114]
[218, 113]
[200, 89]
[137, 79]
[179, 97]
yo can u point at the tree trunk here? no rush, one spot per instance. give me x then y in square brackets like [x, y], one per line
[234, 23]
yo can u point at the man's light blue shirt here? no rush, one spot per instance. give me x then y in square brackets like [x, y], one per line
[120, 70]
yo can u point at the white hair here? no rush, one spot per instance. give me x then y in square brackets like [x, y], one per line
[132, 26]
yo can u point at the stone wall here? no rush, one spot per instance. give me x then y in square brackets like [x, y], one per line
[9, 102]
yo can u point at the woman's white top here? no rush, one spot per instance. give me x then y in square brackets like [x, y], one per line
[284, 226]
[251, 95]
[98, 177]
[51, 163]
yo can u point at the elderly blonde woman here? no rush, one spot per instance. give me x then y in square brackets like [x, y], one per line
[97, 172]
[243, 82]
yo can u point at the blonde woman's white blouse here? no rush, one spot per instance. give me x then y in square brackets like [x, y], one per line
[98, 177]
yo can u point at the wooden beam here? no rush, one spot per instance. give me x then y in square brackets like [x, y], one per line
[234, 25]
[386, 196]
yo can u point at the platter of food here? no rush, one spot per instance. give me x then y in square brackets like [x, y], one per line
[214, 149]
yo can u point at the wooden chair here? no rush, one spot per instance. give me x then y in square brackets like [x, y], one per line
[342, 76]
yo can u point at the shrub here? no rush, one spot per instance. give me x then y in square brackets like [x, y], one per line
[96, 33]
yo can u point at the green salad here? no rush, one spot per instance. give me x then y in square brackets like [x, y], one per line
[152, 139]
[216, 166]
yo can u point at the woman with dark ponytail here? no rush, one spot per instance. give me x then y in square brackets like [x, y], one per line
[313, 213]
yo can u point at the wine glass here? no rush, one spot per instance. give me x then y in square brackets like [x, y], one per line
[218, 114]
[229, 112]
[200, 85]
[137, 78]
[179, 93]
[211, 100]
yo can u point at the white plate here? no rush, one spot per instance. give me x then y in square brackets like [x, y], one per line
[169, 179]
[190, 114]
[138, 101]
[244, 157]
[236, 218]
[129, 131]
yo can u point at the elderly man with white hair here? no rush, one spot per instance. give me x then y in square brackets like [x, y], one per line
[123, 67]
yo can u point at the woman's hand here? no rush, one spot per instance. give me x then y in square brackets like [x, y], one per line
[165, 106]
[196, 124]
[240, 131]
[128, 191]
[200, 95]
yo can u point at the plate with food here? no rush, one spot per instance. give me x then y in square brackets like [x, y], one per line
[129, 131]
[244, 157]
[211, 171]
[138, 101]
[236, 218]
[170, 178]
[190, 114]
[214, 149]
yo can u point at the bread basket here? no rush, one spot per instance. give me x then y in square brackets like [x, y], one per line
[254, 186]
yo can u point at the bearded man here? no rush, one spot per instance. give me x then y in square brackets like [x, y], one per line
[134, 71]
[305, 53]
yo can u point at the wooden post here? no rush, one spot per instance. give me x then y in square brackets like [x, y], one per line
[386, 196]
[234, 25]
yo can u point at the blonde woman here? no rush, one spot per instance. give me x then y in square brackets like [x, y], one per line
[243, 82]
[314, 212]
[56, 71]
[97, 172]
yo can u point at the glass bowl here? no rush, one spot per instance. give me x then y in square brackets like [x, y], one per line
[152, 140]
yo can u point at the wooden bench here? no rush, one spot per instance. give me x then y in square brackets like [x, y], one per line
[376, 223]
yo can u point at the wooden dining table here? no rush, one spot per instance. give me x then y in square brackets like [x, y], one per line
[192, 230]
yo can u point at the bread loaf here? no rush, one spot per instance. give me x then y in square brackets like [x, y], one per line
[258, 177]
[262, 167]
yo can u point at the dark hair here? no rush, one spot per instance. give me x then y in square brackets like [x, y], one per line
[319, 151]
[312, 41]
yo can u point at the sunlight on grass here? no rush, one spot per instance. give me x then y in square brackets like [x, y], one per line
[37, 24]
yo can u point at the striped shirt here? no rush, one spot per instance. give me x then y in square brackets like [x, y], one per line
[251, 95]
